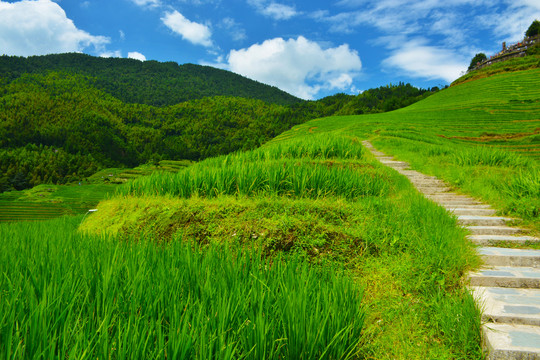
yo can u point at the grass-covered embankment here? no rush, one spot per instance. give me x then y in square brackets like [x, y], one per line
[325, 199]
[480, 136]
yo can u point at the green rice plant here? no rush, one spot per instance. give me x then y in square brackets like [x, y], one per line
[523, 184]
[482, 155]
[70, 295]
[290, 178]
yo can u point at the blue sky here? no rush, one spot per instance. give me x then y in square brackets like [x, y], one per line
[309, 48]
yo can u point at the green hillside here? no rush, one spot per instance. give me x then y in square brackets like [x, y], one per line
[147, 82]
[306, 247]
[315, 191]
[62, 126]
[482, 136]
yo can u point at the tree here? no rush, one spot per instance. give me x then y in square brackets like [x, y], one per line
[478, 58]
[534, 29]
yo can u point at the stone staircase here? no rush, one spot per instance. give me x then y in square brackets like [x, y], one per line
[507, 287]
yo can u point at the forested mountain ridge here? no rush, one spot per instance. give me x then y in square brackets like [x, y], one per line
[61, 126]
[147, 82]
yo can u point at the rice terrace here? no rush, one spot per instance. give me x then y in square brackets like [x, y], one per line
[215, 217]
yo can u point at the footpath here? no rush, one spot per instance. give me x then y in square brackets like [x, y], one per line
[507, 287]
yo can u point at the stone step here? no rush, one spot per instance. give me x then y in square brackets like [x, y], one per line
[493, 230]
[453, 200]
[483, 220]
[395, 164]
[497, 256]
[486, 240]
[507, 305]
[508, 342]
[428, 184]
[477, 206]
[474, 212]
[381, 158]
[413, 173]
[433, 190]
[506, 276]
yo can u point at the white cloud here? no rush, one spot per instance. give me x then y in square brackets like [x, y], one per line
[422, 61]
[41, 27]
[147, 3]
[193, 32]
[279, 11]
[510, 25]
[236, 31]
[274, 10]
[109, 54]
[136, 55]
[298, 66]
[456, 30]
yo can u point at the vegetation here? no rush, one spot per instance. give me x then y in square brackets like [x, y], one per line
[146, 82]
[534, 29]
[487, 126]
[303, 248]
[60, 127]
[325, 199]
[477, 59]
[70, 295]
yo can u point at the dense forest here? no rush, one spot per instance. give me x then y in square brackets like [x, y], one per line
[60, 126]
[147, 82]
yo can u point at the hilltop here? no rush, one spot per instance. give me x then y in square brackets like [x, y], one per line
[147, 82]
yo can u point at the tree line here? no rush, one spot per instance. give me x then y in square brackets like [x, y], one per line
[59, 127]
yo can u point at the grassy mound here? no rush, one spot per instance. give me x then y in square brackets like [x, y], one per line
[481, 136]
[326, 200]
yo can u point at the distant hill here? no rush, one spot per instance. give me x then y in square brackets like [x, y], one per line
[63, 117]
[148, 82]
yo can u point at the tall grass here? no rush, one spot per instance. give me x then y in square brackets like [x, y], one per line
[284, 178]
[482, 155]
[67, 295]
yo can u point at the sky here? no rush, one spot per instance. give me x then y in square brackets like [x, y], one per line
[309, 48]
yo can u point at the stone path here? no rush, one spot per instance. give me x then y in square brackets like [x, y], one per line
[508, 286]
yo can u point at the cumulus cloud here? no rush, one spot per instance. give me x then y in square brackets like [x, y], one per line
[274, 10]
[298, 66]
[41, 27]
[422, 61]
[136, 55]
[193, 32]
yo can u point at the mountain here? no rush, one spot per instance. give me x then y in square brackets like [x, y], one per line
[62, 117]
[147, 82]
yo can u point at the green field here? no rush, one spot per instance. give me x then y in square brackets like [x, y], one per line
[482, 136]
[51, 201]
[304, 248]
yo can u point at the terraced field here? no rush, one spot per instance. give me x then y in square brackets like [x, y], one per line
[51, 201]
[502, 111]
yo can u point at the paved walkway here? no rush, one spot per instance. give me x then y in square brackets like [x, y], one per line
[508, 286]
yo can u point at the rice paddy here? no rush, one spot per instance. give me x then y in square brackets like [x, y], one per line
[305, 248]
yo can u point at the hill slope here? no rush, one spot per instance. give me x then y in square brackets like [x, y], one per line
[62, 126]
[148, 82]
[482, 136]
